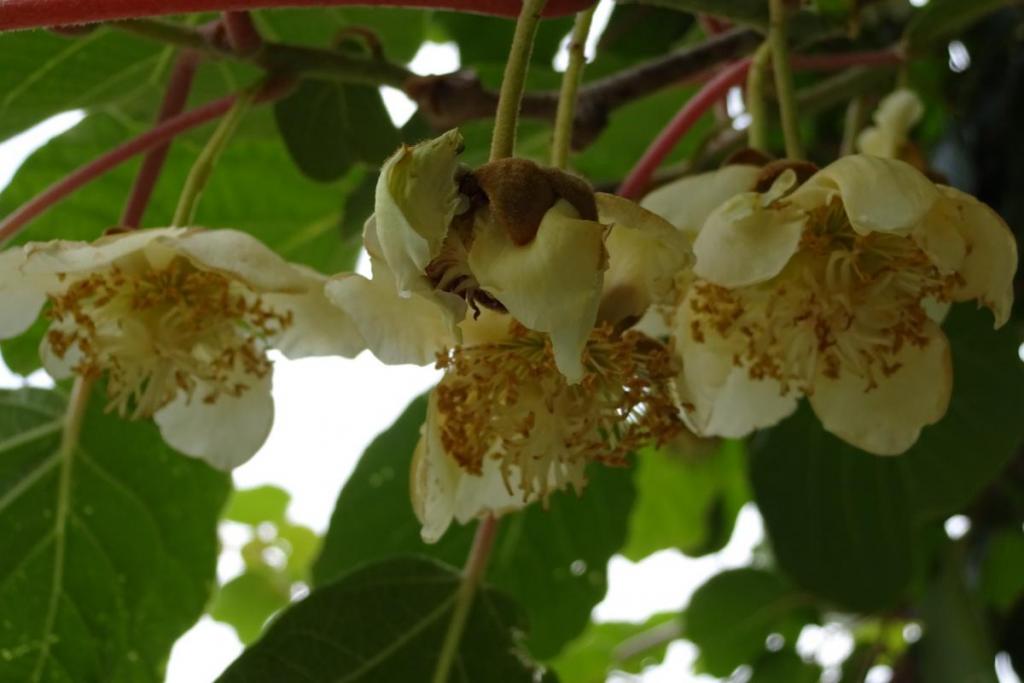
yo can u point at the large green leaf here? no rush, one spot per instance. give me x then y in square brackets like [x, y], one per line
[385, 623]
[609, 646]
[552, 561]
[108, 554]
[940, 20]
[730, 617]
[842, 521]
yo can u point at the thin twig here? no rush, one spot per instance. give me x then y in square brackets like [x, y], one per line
[242, 35]
[565, 114]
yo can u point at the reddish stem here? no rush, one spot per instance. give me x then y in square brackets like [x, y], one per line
[834, 61]
[243, 37]
[174, 102]
[159, 135]
[712, 91]
[15, 14]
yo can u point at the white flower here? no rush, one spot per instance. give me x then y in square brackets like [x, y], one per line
[824, 290]
[178, 320]
[896, 115]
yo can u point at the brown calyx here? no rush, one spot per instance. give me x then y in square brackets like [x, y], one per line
[772, 170]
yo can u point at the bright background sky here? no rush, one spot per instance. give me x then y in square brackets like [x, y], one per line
[329, 409]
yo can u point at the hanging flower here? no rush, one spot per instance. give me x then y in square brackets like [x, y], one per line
[178, 321]
[506, 428]
[824, 290]
[897, 114]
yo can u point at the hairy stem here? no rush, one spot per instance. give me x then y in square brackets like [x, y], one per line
[472, 574]
[174, 102]
[199, 175]
[758, 130]
[715, 89]
[566, 112]
[242, 35]
[503, 142]
[19, 14]
[784, 78]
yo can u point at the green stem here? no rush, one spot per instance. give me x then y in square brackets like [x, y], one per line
[758, 131]
[472, 574]
[504, 141]
[203, 167]
[784, 78]
[564, 117]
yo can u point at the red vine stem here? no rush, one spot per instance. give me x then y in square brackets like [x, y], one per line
[18, 14]
[174, 102]
[715, 88]
[711, 92]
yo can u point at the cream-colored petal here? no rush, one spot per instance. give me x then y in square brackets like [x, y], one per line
[888, 419]
[645, 254]
[319, 328]
[486, 494]
[744, 242]
[897, 113]
[21, 296]
[553, 284]
[416, 199]
[239, 255]
[225, 433]
[433, 479]
[686, 203]
[396, 329]
[880, 195]
[991, 254]
[938, 235]
[59, 367]
[61, 256]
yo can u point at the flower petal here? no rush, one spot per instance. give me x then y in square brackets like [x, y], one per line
[991, 254]
[61, 256]
[686, 203]
[645, 254]
[416, 199]
[553, 284]
[225, 433]
[896, 114]
[888, 419]
[880, 195]
[319, 328]
[241, 256]
[433, 479]
[21, 296]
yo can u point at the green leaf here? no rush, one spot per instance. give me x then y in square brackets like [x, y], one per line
[686, 499]
[328, 127]
[43, 74]
[247, 601]
[731, 615]
[21, 353]
[358, 207]
[941, 20]
[1002, 572]
[642, 31]
[599, 650]
[105, 562]
[384, 623]
[256, 505]
[752, 13]
[784, 666]
[551, 561]
[841, 521]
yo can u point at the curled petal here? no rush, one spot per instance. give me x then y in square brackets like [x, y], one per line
[897, 113]
[61, 256]
[553, 284]
[645, 254]
[225, 432]
[686, 203]
[879, 195]
[239, 256]
[887, 419]
[416, 199]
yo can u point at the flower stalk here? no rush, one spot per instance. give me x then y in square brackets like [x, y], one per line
[514, 82]
[758, 131]
[564, 116]
[777, 37]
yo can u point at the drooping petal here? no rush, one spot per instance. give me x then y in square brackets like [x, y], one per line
[686, 203]
[553, 284]
[226, 432]
[240, 256]
[897, 113]
[745, 240]
[991, 254]
[879, 195]
[319, 328]
[434, 479]
[887, 419]
[21, 296]
[416, 199]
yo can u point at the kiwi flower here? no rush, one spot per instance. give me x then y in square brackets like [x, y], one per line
[178, 321]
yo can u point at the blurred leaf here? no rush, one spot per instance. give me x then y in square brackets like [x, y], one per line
[941, 20]
[1002, 572]
[328, 127]
[595, 653]
[303, 546]
[385, 623]
[636, 31]
[42, 74]
[784, 666]
[21, 353]
[841, 520]
[485, 39]
[746, 12]
[358, 207]
[256, 505]
[686, 500]
[247, 601]
[103, 558]
[731, 615]
[551, 561]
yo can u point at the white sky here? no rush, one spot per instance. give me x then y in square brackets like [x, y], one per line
[329, 409]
